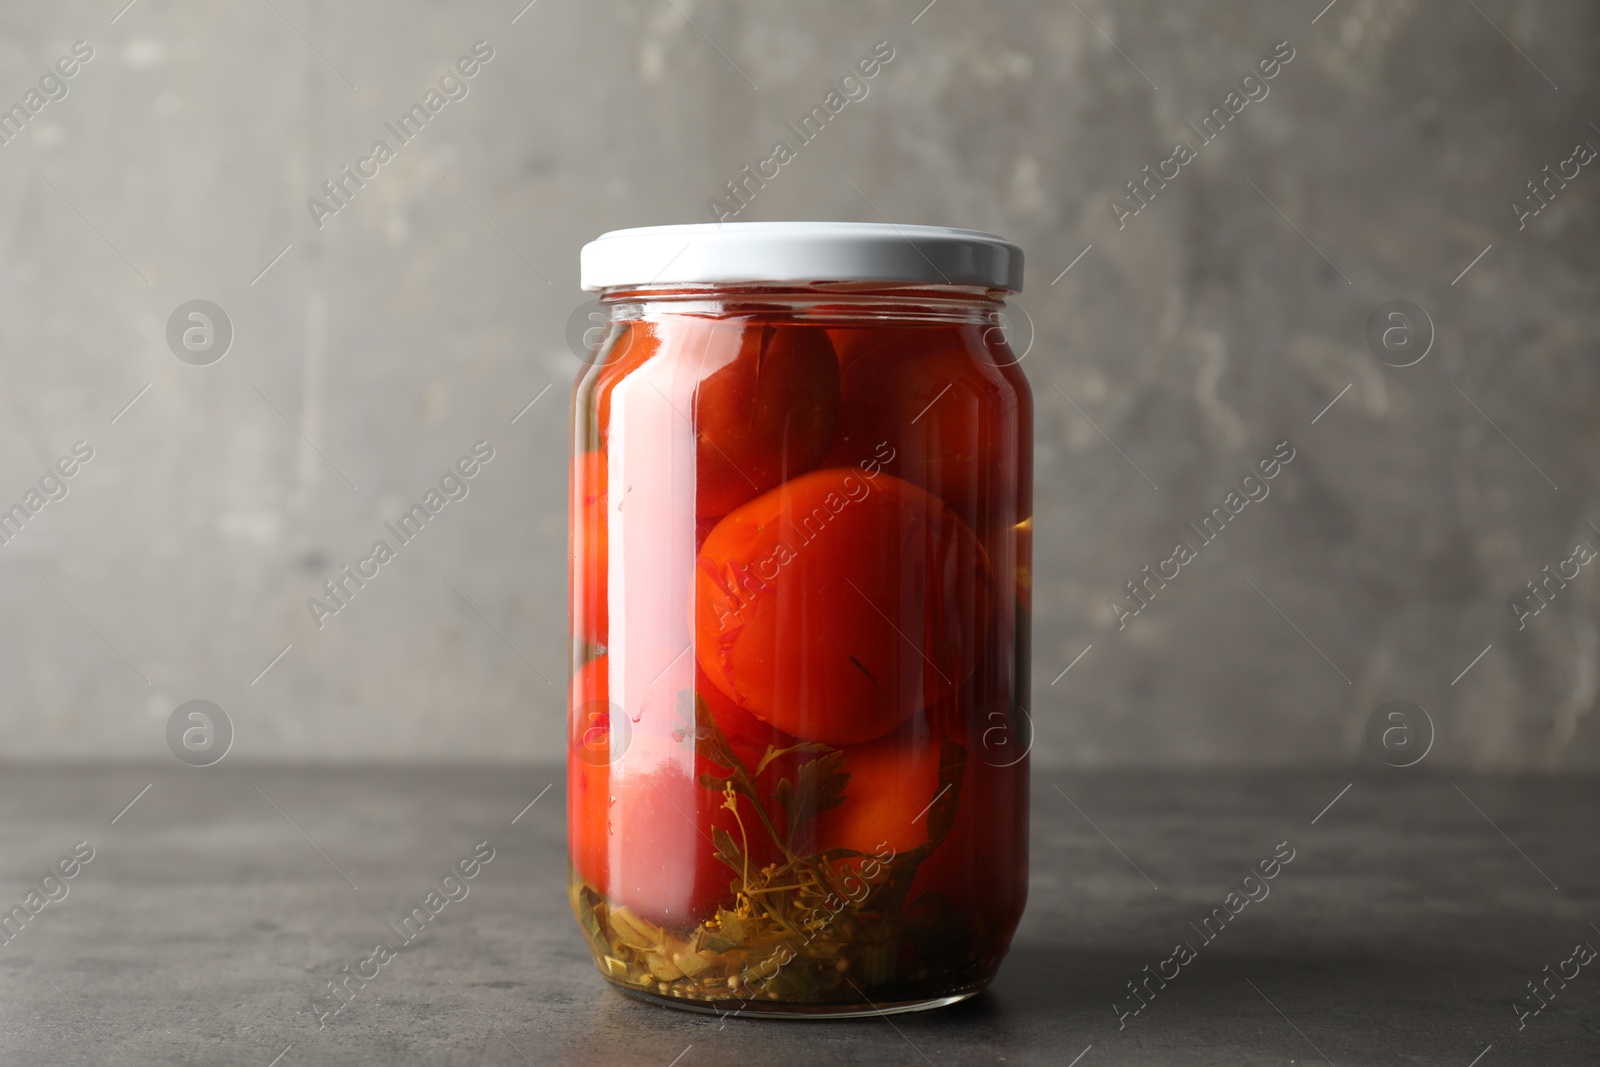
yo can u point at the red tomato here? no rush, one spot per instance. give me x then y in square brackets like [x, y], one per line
[945, 408]
[662, 861]
[893, 782]
[925, 397]
[588, 778]
[764, 410]
[635, 343]
[981, 866]
[747, 735]
[587, 547]
[628, 346]
[649, 524]
[750, 738]
[837, 605]
[639, 822]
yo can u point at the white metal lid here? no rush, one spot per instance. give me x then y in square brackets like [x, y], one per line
[756, 252]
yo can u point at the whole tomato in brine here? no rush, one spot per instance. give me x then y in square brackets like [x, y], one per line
[765, 407]
[980, 867]
[924, 396]
[586, 538]
[839, 604]
[641, 818]
[589, 722]
[893, 784]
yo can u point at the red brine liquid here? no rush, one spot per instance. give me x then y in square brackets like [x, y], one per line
[800, 534]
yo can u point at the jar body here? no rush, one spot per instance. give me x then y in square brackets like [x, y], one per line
[801, 532]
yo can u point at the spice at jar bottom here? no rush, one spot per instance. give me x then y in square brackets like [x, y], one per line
[800, 533]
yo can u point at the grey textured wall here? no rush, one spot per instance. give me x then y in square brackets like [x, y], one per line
[1176, 353]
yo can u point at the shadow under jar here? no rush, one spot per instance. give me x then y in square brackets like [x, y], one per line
[801, 521]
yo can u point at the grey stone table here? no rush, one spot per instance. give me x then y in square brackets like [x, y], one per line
[1412, 917]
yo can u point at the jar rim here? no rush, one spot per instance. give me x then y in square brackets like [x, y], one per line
[804, 253]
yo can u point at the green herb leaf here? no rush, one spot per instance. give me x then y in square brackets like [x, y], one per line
[633, 931]
[587, 903]
[733, 927]
[783, 793]
[728, 850]
[712, 782]
[805, 747]
[708, 737]
[820, 787]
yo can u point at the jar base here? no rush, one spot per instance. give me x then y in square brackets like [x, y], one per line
[781, 1010]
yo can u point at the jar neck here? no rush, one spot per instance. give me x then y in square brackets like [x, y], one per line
[829, 302]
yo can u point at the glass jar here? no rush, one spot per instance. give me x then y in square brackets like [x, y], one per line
[800, 525]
